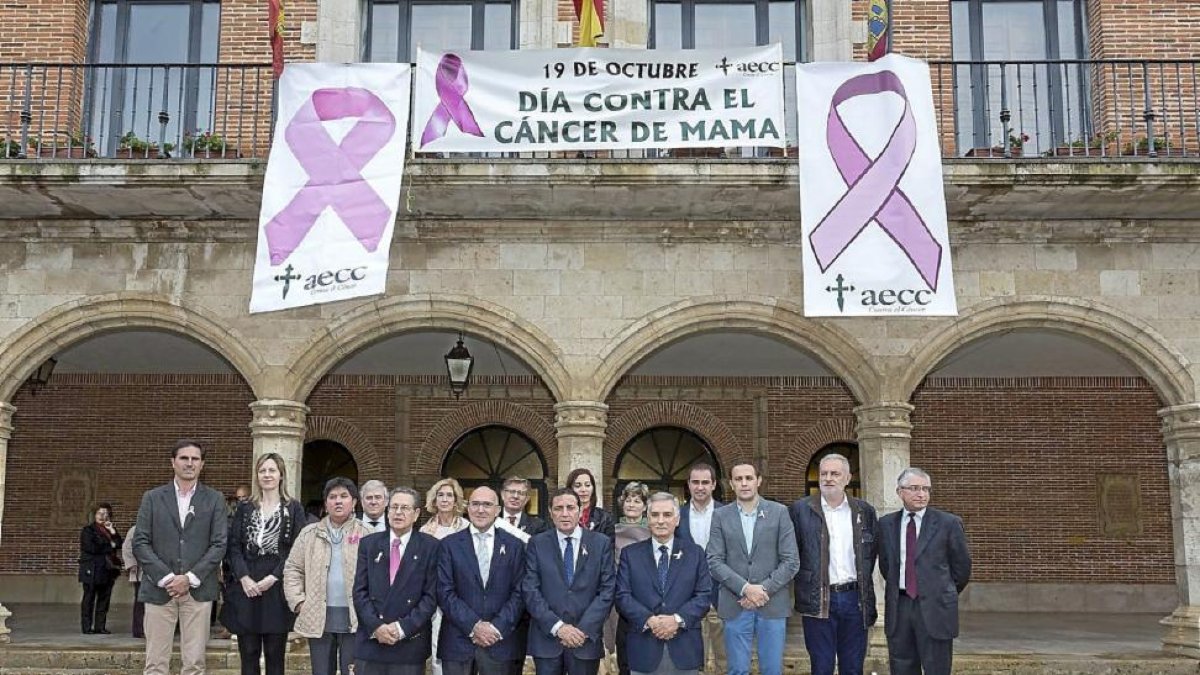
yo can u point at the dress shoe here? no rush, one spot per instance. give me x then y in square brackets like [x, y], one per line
[103, 631]
[88, 631]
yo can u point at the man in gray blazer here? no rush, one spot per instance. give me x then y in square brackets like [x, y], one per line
[752, 556]
[179, 544]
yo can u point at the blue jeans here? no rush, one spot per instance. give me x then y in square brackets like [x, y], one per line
[841, 635]
[740, 634]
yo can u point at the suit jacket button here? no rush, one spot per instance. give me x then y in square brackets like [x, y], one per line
[410, 602]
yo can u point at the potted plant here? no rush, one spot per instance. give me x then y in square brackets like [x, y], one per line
[1016, 143]
[10, 149]
[207, 145]
[1163, 147]
[75, 146]
[131, 147]
[1084, 147]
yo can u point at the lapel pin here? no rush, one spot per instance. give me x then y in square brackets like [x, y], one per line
[678, 555]
[762, 515]
[502, 549]
[379, 556]
[582, 551]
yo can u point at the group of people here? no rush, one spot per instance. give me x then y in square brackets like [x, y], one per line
[482, 584]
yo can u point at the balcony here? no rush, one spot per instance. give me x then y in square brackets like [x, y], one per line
[1076, 149]
[986, 110]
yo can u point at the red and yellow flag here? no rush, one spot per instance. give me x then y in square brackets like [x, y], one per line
[591, 21]
[275, 24]
[879, 19]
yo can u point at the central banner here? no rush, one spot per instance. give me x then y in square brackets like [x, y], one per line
[598, 99]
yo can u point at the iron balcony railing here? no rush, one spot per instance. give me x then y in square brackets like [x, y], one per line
[1017, 110]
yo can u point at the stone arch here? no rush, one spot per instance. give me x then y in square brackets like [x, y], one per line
[819, 435]
[1161, 364]
[676, 414]
[74, 321]
[832, 346]
[487, 413]
[364, 452]
[374, 321]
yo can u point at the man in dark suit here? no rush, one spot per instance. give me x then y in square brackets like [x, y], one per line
[568, 589]
[479, 590]
[395, 593]
[179, 543]
[925, 564]
[663, 592]
[695, 524]
[516, 496]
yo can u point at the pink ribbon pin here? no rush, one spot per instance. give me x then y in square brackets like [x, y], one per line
[334, 170]
[874, 192]
[451, 84]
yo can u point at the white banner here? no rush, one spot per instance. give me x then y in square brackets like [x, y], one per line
[598, 99]
[872, 204]
[332, 185]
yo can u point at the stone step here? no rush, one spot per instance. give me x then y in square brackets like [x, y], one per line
[47, 660]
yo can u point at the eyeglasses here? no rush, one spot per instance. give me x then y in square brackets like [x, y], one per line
[481, 505]
[404, 508]
[917, 488]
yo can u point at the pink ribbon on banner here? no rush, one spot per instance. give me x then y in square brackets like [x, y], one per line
[874, 192]
[451, 83]
[334, 169]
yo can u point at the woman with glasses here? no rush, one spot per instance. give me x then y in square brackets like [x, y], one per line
[446, 505]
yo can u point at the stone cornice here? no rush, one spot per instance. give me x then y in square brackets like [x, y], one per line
[731, 199]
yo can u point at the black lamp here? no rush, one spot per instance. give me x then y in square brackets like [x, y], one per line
[40, 377]
[459, 363]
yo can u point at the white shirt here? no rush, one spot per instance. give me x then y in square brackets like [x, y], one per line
[841, 541]
[700, 523]
[904, 539]
[491, 536]
[380, 523]
[183, 501]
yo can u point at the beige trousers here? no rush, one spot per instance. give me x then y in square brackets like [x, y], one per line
[714, 643]
[192, 617]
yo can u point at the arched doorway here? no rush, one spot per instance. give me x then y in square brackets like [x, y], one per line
[323, 459]
[660, 457]
[488, 455]
[812, 477]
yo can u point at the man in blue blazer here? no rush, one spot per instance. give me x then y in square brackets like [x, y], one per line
[695, 518]
[395, 593]
[479, 590]
[663, 591]
[568, 589]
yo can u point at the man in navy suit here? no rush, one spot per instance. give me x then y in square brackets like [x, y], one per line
[664, 591]
[479, 590]
[925, 563]
[568, 589]
[695, 523]
[395, 593]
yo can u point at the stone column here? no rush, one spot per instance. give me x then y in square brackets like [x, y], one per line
[278, 426]
[832, 31]
[1181, 432]
[581, 426]
[6, 429]
[628, 24]
[884, 432]
[339, 29]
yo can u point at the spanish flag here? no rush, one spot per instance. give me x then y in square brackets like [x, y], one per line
[275, 26]
[591, 21]
[879, 21]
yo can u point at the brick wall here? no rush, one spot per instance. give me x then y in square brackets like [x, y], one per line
[1018, 459]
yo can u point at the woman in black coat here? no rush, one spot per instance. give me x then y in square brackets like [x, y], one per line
[99, 567]
[583, 484]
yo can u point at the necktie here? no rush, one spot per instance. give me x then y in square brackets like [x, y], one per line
[910, 557]
[374, 524]
[512, 520]
[569, 560]
[663, 557]
[483, 552]
[394, 561]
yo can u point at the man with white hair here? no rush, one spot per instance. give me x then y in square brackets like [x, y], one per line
[925, 563]
[834, 595]
[374, 496]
